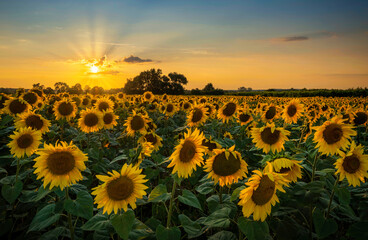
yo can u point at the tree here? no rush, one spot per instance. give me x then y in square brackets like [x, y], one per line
[97, 90]
[38, 86]
[61, 87]
[208, 88]
[153, 80]
[76, 89]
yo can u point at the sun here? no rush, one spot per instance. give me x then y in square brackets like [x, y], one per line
[94, 69]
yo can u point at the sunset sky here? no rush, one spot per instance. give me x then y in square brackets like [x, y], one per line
[257, 44]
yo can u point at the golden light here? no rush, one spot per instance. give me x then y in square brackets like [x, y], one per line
[94, 69]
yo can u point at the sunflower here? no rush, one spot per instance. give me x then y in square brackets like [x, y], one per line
[60, 165]
[25, 141]
[227, 112]
[120, 96]
[152, 138]
[120, 189]
[86, 102]
[211, 145]
[90, 120]
[169, 109]
[197, 116]
[31, 98]
[333, 135]
[290, 169]
[32, 120]
[244, 116]
[146, 148]
[186, 106]
[14, 106]
[77, 101]
[352, 165]
[188, 154]
[136, 123]
[109, 119]
[226, 166]
[260, 195]
[104, 104]
[65, 109]
[148, 96]
[3, 98]
[292, 111]
[360, 118]
[270, 138]
[228, 135]
[270, 113]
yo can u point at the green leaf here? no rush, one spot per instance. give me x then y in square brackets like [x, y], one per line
[163, 233]
[192, 228]
[177, 179]
[123, 223]
[344, 195]
[11, 193]
[254, 230]
[82, 206]
[236, 193]
[190, 199]
[97, 222]
[324, 227]
[34, 196]
[219, 218]
[223, 235]
[358, 231]
[159, 194]
[53, 234]
[44, 218]
[205, 188]
[118, 158]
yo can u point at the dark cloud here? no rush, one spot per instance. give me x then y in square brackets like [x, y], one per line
[133, 59]
[294, 38]
[305, 37]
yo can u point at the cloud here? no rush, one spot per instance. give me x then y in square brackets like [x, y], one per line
[133, 59]
[305, 37]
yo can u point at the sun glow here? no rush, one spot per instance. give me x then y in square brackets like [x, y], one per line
[94, 69]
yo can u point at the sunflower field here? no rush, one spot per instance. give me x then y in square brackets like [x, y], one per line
[182, 167]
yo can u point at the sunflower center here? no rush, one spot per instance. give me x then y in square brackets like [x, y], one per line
[186, 105]
[229, 109]
[148, 96]
[324, 108]
[361, 118]
[65, 108]
[120, 188]
[187, 152]
[108, 118]
[197, 115]
[333, 133]
[31, 98]
[137, 123]
[85, 101]
[169, 108]
[271, 112]
[264, 192]
[209, 145]
[244, 117]
[17, 106]
[60, 163]
[270, 137]
[291, 111]
[91, 119]
[103, 106]
[25, 140]
[225, 167]
[351, 163]
[34, 121]
[284, 170]
[150, 138]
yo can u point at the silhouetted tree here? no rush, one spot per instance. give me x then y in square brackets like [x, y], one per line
[38, 86]
[76, 89]
[61, 87]
[208, 88]
[97, 90]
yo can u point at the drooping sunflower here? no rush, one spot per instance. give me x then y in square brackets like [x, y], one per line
[227, 112]
[244, 116]
[60, 165]
[226, 166]
[188, 154]
[270, 138]
[360, 118]
[104, 104]
[352, 165]
[25, 141]
[14, 106]
[333, 135]
[109, 119]
[292, 111]
[136, 123]
[65, 109]
[146, 148]
[290, 169]
[148, 96]
[152, 138]
[211, 145]
[90, 120]
[120, 189]
[197, 116]
[32, 120]
[260, 195]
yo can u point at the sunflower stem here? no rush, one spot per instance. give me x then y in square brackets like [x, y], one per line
[69, 217]
[171, 204]
[314, 167]
[331, 197]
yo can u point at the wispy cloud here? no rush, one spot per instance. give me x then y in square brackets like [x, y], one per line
[133, 59]
[305, 37]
